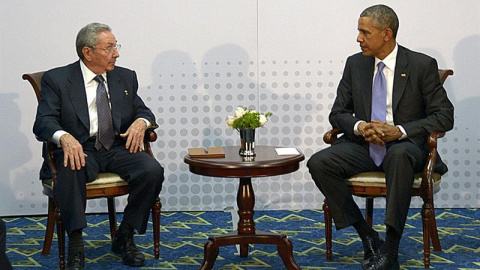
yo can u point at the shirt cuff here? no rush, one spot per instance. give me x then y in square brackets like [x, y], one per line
[56, 137]
[404, 136]
[355, 128]
[146, 122]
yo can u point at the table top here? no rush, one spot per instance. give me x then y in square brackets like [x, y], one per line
[265, 163]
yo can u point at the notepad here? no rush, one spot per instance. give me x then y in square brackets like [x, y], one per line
[211, 152]
[287, 151]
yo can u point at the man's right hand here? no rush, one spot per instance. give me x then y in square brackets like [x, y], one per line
[72, 152]
[372, 132]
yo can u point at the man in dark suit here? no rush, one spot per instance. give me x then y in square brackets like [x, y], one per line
[91, 109]
[381, 133]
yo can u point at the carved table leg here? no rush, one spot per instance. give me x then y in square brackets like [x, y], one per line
[285, 250]
[210, 254]
[246, 233]
[245, 202]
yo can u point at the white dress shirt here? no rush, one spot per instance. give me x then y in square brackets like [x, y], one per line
[389, 72]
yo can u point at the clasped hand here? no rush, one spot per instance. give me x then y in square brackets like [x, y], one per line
[379, 132]
[73, 150]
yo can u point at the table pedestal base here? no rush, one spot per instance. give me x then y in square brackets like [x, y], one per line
[284, 247]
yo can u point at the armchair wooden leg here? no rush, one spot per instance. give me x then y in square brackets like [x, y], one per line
[47, 243]
[328, 229]
[434, 232]
[112, 217]
[61, 239]
[156, 214]
[426, 219]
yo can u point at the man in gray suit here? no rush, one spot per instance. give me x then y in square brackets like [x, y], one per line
[385, 132]
[91, 110]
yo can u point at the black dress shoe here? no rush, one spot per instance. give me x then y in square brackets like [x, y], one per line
[123, 244]
[76, 260]
[383, 262]
[371, 246]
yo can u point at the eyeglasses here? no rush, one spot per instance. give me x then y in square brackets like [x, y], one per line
[110, 49]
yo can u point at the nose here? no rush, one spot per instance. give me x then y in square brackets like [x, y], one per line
[359, 38]
[115, 53]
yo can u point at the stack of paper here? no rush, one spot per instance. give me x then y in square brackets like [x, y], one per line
[287, 151]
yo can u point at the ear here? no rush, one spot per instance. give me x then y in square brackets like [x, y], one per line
[388, 34]
[87, 53]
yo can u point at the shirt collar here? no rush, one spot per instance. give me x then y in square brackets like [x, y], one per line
[390, 60]
[88, 75]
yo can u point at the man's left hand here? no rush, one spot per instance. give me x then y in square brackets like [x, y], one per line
[390, 132]
[135, 135]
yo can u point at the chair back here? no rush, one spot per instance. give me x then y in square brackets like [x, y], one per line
[444, 73]
[35, 80]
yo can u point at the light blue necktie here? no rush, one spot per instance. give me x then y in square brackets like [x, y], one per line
[379, 111]
[105, 134]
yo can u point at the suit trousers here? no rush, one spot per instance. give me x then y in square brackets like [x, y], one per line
[330, 167]
[142, 172]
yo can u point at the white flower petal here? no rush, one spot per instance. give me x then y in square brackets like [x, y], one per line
[230, 120]
[262, 119]
[239, 112]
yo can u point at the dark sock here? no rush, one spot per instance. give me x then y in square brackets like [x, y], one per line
[75, 241]
[125, 228]
[392, 242]
[364, 230]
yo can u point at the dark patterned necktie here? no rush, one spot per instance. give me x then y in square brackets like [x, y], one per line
[379, 111]
[105, 134]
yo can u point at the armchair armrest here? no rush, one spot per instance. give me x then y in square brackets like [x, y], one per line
[150, 137]
[427, 179]
[331, 136]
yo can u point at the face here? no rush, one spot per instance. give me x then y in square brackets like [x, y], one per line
[102, 57]
[373, 41]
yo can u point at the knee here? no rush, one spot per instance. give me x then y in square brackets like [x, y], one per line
[155, 172]
[396, 153]
[403, 156]
[316, 162]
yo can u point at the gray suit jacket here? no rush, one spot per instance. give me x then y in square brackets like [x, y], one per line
[420, 103]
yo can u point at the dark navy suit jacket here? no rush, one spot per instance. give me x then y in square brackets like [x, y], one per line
[63, 103]
[420, 103]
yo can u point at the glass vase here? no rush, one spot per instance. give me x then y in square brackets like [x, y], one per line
[247, 142]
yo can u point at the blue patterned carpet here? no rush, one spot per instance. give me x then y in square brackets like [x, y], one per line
[184, 234]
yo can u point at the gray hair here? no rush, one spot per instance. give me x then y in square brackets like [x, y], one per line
[383, 17]
[88, 36]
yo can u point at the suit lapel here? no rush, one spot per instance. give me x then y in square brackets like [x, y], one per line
[400, 78]
[117, 92]
[367, 70]
[78, 96]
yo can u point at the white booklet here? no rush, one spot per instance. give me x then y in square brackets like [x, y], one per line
[287, 151]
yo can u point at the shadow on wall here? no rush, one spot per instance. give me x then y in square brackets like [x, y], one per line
[227, 83]
[466, 84]
[15, 151]
[172, 96]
